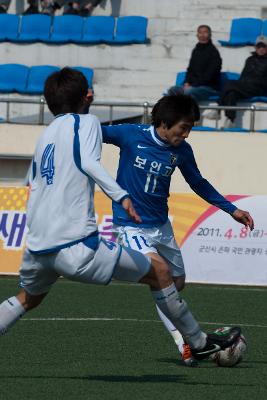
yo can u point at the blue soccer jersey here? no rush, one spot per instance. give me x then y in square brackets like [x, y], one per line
[145, 168]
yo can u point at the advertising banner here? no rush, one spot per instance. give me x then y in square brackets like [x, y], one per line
[216, 249]
[12, 228]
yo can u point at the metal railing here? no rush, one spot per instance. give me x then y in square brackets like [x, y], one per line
[252, 109]
[144, 106]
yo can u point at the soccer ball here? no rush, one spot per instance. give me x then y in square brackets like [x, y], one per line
[233, 355]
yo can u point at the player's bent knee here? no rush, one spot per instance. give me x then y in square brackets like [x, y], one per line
[163, 273]
[34, 301]
[159, 266]
[159, 275]
[30, 301]
[179, 282]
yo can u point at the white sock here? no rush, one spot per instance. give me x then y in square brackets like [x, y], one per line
[176, 310]
[11, 311]
[177, 337]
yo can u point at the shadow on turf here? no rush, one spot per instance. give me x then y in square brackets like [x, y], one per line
[180, 363]
[129, 379]
[110, 378]
[208, 363]
[138, 379]
[156, 379]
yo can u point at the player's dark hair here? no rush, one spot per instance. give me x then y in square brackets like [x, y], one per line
[204, 26]
[174, 108]
[65, 91]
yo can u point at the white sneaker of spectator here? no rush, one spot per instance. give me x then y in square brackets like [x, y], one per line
[212, 114]
[228, 123]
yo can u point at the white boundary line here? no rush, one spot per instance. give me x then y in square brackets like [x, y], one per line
[73, 319]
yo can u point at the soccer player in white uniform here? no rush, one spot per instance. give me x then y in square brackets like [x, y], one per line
[148, 157]
[63, 238]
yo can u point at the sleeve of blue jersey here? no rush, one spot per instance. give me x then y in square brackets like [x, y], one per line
[200, 185]
[115, 134]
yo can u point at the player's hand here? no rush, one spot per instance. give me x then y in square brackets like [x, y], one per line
[129, 208]
[244, 218]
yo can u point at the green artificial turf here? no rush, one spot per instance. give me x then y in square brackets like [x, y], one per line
[131, 356]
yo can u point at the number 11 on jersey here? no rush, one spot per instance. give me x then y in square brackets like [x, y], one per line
[151, 180]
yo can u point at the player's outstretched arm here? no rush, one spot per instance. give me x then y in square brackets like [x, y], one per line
[244, 218]
[129, 208]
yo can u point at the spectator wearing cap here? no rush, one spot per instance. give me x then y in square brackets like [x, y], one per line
[252, 81]
[202, 79]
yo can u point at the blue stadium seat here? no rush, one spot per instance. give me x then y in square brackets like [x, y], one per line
[244, 31]
[224, 76]
[131, 30]
[9, 26]
[13, 78]
[204, 128]
[67, 28]
[264, 28]
[34, 28]
[261, 99]
[235, 76]
[98, 29]
[180, 78]
[236, 129]
[37, 77]
[88, 73]
[228, 75]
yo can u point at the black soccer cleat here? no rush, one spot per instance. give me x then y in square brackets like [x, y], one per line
[216, 341]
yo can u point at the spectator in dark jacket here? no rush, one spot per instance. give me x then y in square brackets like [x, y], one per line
[83, 8]
[203, 73]
[79, 7]
[252, 81]
[4, 5]
[32, 6]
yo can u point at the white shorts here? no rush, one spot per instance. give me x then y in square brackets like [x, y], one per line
[159, 240]
[80, 263]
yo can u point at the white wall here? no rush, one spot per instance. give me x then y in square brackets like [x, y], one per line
[234, 163]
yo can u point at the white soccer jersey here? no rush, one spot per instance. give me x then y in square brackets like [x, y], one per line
[65, 168]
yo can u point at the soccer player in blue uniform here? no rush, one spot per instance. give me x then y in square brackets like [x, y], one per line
[148, 157]
[63, 238]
